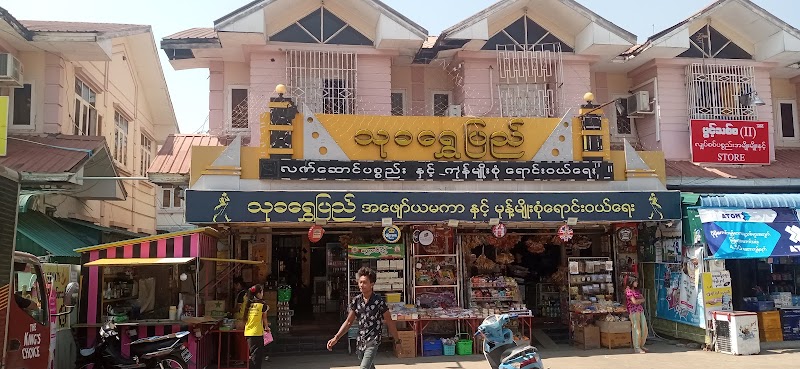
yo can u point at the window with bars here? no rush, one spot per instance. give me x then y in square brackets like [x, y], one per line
[121, 138]
[238, 109]
[720, 91]
[85, 119]
[147, 154]
[398, 103]
[325, 81]
[171, 198]
[441, 103]
[530, 82]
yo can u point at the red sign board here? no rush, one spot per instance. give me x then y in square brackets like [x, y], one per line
[315, 233]
[499, 230]
[729, 141]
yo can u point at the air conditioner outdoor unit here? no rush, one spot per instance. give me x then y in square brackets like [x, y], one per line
[639, 103]
[10, 71]
[454, 111]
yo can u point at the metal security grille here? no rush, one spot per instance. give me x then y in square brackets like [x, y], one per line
[530, 82]
[716, 91]
[323, 80]
[723, 332]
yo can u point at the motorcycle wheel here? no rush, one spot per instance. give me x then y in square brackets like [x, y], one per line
[174, 362]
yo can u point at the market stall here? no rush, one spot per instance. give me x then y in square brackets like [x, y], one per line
[154, 286]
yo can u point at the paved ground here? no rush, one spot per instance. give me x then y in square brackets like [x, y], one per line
[662, 355]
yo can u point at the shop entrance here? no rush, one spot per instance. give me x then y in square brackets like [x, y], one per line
[315, 273]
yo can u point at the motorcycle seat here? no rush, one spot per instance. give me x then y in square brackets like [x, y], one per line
[515, 352]
[153, 344]
[87, 352]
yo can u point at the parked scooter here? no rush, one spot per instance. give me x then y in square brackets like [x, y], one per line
[500, 349]
[161, 352]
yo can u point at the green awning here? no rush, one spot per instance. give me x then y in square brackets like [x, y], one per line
[41, 235]
[690, 198]
[93, 234]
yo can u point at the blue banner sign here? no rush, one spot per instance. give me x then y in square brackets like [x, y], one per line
[751, 233]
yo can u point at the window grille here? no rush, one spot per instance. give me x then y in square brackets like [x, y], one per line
[323, 80]
[530, 82]
[716, 90]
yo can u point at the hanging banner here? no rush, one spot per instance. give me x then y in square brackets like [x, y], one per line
[729, 141]
[377, 251]
[751, 233]
[3, 125]
[717, 292]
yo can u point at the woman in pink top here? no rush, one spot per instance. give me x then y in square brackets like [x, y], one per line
[634, 301]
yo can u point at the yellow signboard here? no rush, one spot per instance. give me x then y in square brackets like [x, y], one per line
[3, 125]
[717, 292]
[438, 138]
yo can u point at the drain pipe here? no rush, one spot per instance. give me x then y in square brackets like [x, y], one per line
[656, 104]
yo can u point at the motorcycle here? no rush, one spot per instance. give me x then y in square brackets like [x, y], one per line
[161, 352]
[500, 349]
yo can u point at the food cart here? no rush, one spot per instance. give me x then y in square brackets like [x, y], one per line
[154, 286]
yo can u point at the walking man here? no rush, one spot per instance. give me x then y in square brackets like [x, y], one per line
[371, 311]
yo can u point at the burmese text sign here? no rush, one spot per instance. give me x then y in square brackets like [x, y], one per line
[729, 141]
[203, 207]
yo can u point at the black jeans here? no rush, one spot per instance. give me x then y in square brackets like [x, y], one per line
[256, 344]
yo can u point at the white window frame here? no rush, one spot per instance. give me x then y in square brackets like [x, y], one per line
[612, 120]
[229, 108]
[401, 91]
[79, 128]
[172, 194]
[786, 141]
[11, 98]
[121, 139]
[433, 100]
[146, 154]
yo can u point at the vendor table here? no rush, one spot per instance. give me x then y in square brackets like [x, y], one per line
[239, 337]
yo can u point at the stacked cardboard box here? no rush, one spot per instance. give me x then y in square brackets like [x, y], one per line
[408, 345]
[615, 334]
[587, 337]
[769, 326]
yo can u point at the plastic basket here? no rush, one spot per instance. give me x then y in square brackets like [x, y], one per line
[284, 294]
[449, 350]
[464, 345]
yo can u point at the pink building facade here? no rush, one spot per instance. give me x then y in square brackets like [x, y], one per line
[508, 60]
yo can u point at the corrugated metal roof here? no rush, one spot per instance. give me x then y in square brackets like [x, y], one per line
[786, 165]
[50, 154]
[751, 201]
[175, 156]
[48, 234]
[80, 27]
[193, 33]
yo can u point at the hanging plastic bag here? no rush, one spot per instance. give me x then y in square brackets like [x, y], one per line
[267, 337]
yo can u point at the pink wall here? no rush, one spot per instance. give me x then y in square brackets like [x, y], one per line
[54, 96]
[417, 89]
[374, 85]
[480, 96]
[673, 104]
[216, 98]
[267, 70]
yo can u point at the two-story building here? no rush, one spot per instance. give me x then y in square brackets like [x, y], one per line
[87, 106]
[381, 138]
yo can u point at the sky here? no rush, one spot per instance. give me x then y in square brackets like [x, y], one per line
[189, 88]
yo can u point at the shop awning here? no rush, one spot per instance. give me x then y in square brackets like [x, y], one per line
[235, 261]
[739, 233]
[42, 235]
[751, 201]
[139, 261]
